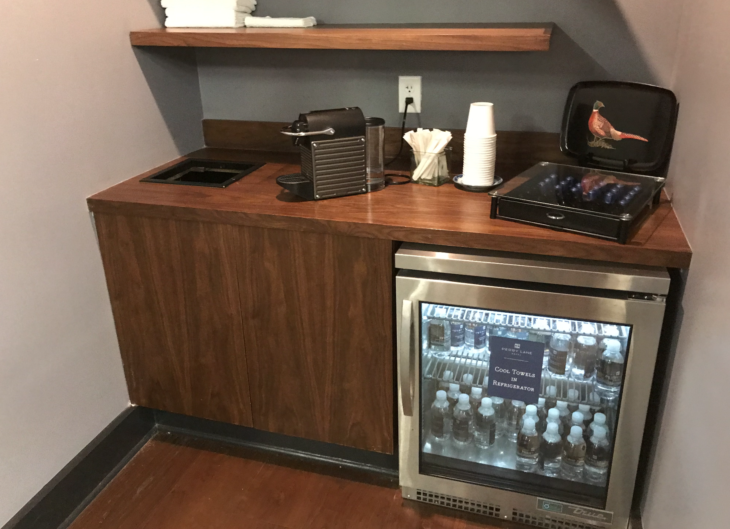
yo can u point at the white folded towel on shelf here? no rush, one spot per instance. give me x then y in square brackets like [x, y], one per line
[269, 22]
[232, 20]
[213, 17]
[230, 4]
[184, 12]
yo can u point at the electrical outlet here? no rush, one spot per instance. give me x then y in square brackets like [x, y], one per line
[409, 86]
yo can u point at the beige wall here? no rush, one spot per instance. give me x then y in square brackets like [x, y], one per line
[688, 485]
[77, 114]
[654, 25]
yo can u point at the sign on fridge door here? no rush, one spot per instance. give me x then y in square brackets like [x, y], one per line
[515, 369]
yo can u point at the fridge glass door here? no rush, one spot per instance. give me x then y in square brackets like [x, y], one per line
[502, 374]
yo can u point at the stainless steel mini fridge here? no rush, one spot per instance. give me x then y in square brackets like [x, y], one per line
[522, 335]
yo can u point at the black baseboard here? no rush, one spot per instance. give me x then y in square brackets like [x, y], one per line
[72, 489]
[303, 449]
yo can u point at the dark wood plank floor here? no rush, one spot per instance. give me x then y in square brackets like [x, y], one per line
[180, 483]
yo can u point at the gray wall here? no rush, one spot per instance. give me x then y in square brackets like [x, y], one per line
[79, 112]
[595, 39]
[688, 484]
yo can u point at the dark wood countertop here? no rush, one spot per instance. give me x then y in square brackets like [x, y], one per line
[412, 213]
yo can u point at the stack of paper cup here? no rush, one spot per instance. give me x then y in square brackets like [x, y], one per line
[480, 146]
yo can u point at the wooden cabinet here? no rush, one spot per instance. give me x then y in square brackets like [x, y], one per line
[318, 323]
[288, 332]
[174, 292]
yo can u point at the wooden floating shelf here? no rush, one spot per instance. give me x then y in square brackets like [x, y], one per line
[424, 37]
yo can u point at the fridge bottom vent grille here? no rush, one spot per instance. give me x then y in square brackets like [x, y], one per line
[547, 523]
[458, 503]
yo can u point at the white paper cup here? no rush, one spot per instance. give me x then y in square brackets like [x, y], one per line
[478, 179]
[471, 137]
[480, 154]
[481, 120]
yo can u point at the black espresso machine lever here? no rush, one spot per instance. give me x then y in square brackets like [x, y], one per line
[332, 148]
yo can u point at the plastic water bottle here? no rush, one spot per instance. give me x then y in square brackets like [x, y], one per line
[584, 362]
[595, 401]
[565, 416]
[554, 418]
[466, 383]
[541, 416]
[528, 447]
[439, 334]
[457, 336]
[585, 409]
[500, 415]
[551, 450]
[514, 418]
[475, 399]
[599, 419]
[440, 417]
[462, 422]
[530, 413]
[453, 395]
[552, 397]
[485, 425]
[559, 349]
[447, 379]
[573, 400]
[610, 372]
[598, 452]
[574, 455]
[476, 340]
[576, 419]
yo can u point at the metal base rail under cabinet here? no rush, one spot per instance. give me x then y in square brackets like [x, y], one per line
[532, 298]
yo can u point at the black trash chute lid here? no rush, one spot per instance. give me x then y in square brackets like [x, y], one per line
[620, 126]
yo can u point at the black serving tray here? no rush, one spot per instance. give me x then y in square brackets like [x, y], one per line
[646, 114]
[204, 173]
[571, 198]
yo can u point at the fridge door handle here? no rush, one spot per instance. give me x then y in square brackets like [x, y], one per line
[406, 375]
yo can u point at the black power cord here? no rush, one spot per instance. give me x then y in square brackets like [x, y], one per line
[409, 102]
[402, 179]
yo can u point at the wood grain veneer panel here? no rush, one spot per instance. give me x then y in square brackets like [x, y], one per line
[518, 150]
[173, 288]
[318, 320]
[453, 37]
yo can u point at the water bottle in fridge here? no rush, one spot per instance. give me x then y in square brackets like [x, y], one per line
[574, 454]
[551, 450]
[609, 374]
[598, 453]
[439, 334]
[485, 425]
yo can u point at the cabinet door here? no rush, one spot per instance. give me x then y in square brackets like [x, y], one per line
[173, 288]
[318, 323]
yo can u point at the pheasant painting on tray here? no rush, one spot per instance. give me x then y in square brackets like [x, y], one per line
[603, 132]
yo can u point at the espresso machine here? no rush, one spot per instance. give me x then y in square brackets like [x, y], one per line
[333, 151]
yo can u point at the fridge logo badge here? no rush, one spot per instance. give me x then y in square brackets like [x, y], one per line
[515, 369]
[575, 511]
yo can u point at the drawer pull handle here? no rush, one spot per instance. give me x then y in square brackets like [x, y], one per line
[556, 216]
